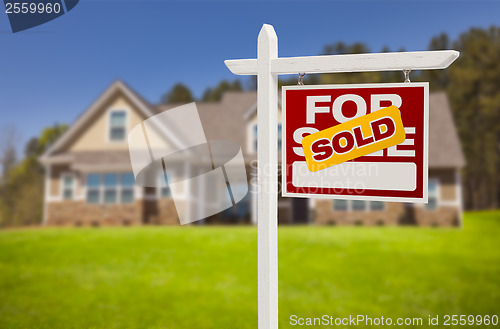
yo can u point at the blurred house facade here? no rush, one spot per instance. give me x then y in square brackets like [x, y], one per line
[89, 180]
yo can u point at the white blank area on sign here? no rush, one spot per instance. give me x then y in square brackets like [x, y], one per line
[396, 176]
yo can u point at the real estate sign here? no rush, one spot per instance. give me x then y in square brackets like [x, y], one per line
[330, 130]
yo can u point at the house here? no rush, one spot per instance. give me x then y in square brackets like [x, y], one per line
[89, 180]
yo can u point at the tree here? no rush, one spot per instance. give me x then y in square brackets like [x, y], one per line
[341, 48]
[8, 161]
[215, 94]
[21, 202]
[439, 79]
[474, 92]
[9, 140]
[49, 136]
[178, 94]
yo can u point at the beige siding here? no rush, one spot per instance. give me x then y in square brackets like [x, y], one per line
[95, 136]
[447, 184]
[55, 179]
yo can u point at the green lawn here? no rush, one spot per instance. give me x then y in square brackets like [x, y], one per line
[206, 277]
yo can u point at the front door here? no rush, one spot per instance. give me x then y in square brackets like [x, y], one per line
[300, 210]
[408, 217]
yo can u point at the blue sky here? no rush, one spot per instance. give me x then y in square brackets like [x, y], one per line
[51, 73]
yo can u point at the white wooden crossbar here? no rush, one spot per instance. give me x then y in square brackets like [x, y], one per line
[418, 60]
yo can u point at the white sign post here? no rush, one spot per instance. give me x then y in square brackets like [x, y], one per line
[267, 67]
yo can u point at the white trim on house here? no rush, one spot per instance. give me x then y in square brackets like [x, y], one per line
[253, 189]
[83, 189]
[54, 199]
[459, 197]
[138, 192]
[253, 204]
[62, 187]
[187, 188]
[252, 110]
[439, 202]
[454, 203]
[250, 138]
[46, 193]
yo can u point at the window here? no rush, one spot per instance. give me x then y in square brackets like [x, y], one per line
[433, 195]
[279, 137]
[117, 125]
[127, 188]
[68, 181]
[377, 205]
[93, 188]
[358, 205]
[255, 137]
[110, 188]
[164, 191]
[340, 205]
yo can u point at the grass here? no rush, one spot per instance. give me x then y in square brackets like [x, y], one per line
[205, 277]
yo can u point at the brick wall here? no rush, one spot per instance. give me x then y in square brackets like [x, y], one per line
[394, 214]
[325, 215]
[443, 216]
[163, 212]
[79, 213]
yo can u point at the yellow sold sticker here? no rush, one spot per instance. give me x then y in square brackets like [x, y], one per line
[355, 138]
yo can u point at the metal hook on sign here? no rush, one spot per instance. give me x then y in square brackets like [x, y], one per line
[407, 75]
[301, 79]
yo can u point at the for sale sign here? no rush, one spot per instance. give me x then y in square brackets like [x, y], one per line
[366, 141]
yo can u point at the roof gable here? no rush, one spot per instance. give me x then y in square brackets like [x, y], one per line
[98, 107]
[252, 110]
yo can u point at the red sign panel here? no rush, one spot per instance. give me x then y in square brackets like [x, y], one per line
[397, 173]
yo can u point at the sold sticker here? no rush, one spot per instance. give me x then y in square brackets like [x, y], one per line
[355, 138]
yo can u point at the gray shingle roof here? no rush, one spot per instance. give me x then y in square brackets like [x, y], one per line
[224, 119]
[444, 145]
